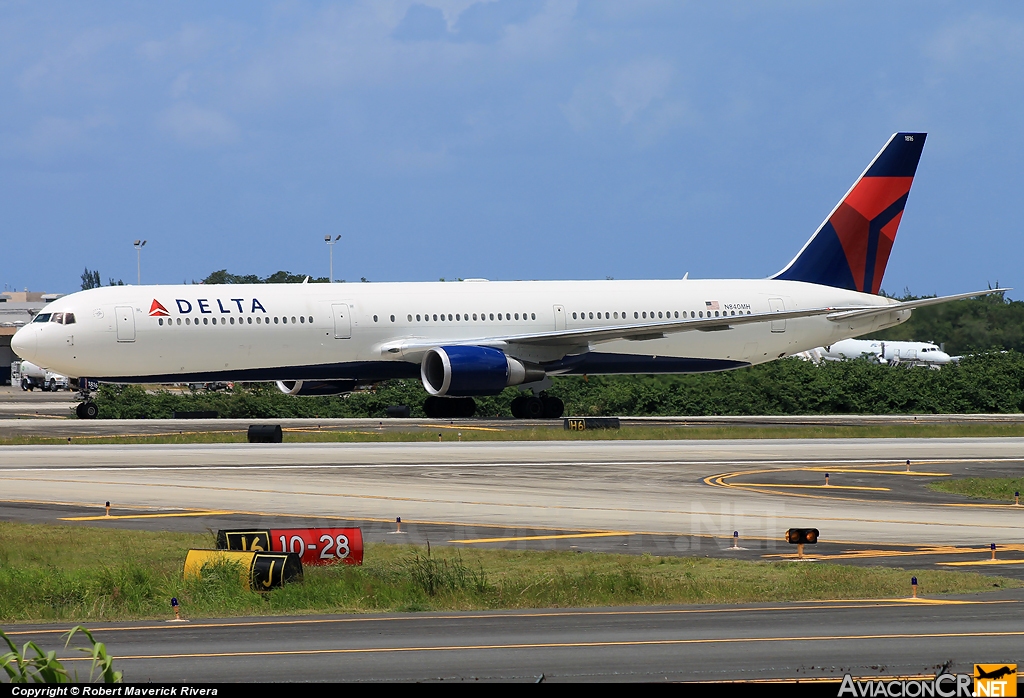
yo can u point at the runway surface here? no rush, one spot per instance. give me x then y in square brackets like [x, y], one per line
[662, 497]
[759, 488]
[753, 642]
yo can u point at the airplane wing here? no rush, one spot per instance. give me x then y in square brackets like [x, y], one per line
[908, 305]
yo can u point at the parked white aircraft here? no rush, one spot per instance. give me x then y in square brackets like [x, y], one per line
[476, 337]
[883, 352]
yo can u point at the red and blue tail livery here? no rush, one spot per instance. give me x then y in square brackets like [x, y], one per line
[851, 248]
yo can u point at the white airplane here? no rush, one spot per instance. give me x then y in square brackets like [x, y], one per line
[883, 352]
[477, 337]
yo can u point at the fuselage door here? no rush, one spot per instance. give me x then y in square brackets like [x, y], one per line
[777, 306]
[559, 317]
[125, 323]
[342, 321]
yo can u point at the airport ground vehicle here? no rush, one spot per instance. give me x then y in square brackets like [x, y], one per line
[29, 377]
[477, 337]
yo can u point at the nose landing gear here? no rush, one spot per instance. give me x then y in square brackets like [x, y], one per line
[87, 409]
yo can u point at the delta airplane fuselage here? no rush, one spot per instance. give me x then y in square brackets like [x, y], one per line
[477, 337]
[369, 332]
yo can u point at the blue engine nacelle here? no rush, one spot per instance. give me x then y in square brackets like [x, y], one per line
[461, 371]
[316, 387]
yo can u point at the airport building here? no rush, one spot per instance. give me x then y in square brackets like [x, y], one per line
[17, 308]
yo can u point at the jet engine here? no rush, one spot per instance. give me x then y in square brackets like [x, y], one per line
[316, 387]
[465, 371]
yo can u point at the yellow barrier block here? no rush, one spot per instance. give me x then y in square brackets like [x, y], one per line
[258, 571]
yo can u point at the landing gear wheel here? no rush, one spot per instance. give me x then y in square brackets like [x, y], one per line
[517, 407]
[449, 407]
[553, 407]
[533, 408]
[87, 410]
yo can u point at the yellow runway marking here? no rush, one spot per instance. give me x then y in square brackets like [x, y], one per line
[826, 469]
[814, 487]
[982, 563]
[800, 606]
[562, 645]
[936, 550]
[719, 480]
[103, 517]
[567, 535]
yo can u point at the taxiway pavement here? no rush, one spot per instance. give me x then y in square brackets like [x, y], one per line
[804, 640]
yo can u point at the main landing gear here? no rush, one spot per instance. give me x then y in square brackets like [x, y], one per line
[449, 407]
[537, 407]
[87, 409]
[523, 407]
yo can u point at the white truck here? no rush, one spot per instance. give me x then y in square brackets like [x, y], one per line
[29, 376]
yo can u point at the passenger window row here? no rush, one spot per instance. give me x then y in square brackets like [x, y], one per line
[654, 315]
[259, 320]
[464, 317]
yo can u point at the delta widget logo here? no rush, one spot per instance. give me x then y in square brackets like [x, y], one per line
[157, 309]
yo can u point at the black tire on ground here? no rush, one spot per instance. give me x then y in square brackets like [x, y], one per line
[553, 407]
[533, 408]
[90, 410]
[53, 385]
[449, 407]
[24, 384]
[517, 407]
[466, 407]
[80, 411]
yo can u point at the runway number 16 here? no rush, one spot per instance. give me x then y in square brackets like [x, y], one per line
[340, 544]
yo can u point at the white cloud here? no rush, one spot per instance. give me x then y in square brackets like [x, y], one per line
[975, 38]
[636, 95]
[197, 126]
[633, 87]
[54, 136]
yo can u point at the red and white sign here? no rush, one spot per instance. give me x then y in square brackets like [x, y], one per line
[320, 546]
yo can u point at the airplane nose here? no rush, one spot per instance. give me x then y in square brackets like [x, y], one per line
[23, 343]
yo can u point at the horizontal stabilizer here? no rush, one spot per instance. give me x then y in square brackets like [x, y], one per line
[911, 305]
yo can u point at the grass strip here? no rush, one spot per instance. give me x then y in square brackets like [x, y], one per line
[468, 432]
[1000, 489]
[81, 574]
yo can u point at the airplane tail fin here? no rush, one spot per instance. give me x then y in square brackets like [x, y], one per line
[851, 247]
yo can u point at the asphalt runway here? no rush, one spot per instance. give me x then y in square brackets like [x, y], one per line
[667, 487]
[663, 497]
[808, 640]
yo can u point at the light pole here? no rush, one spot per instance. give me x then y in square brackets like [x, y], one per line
[139, 244]
[330, 246]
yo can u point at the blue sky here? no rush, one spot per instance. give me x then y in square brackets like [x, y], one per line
[506, 140]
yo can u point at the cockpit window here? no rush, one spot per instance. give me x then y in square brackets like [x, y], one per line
[57, 317]
[42, 317]
[69, 318]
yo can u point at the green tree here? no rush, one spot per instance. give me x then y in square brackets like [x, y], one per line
[91, 279]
